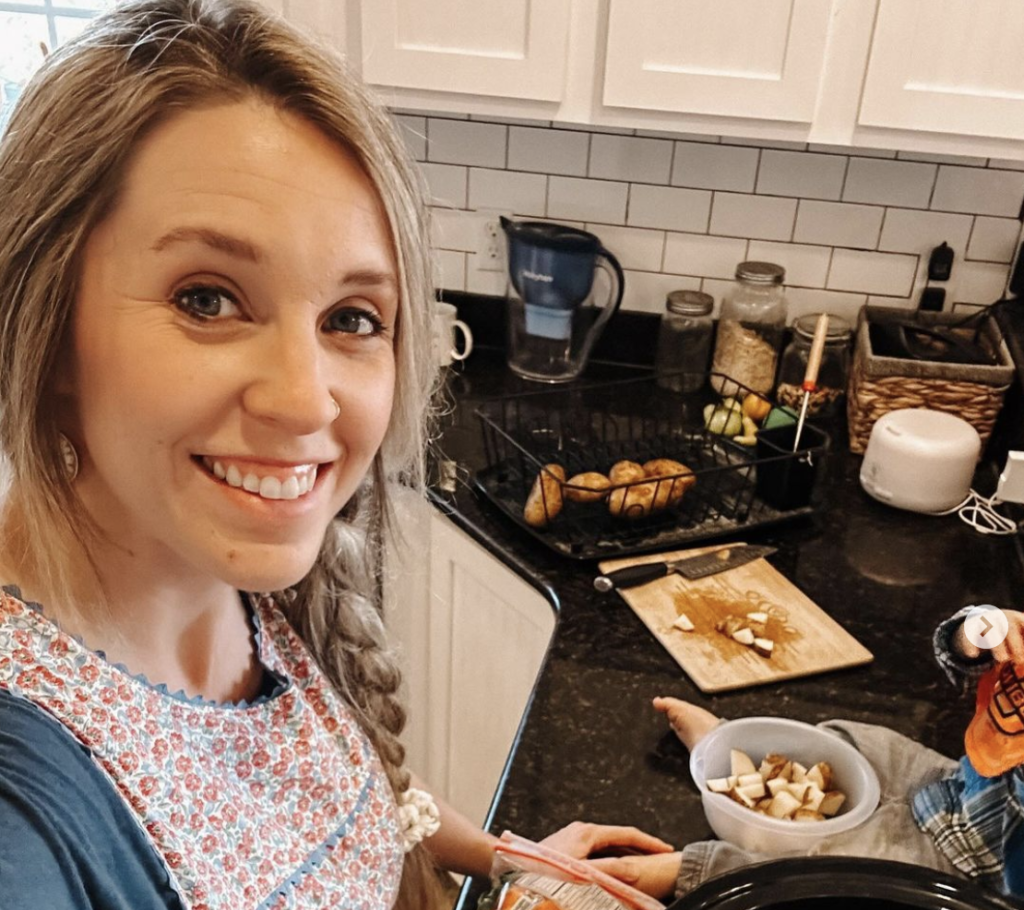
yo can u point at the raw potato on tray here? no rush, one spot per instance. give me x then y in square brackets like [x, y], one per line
[780, 787]
[633, 490]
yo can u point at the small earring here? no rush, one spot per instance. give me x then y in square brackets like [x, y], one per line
[69, 456]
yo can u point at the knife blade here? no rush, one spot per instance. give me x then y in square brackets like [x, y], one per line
[701, 566]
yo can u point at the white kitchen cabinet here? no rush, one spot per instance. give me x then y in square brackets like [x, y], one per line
[740, 58]
[941, 76]
[947, 66]
[473, 635]
[501, 48]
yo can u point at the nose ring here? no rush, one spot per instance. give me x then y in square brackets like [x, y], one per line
[337, 409]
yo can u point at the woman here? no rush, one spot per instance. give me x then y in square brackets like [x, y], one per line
[215, 338]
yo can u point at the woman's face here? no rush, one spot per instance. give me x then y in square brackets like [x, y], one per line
[243, 284]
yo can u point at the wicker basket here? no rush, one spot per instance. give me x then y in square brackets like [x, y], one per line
[879, 385]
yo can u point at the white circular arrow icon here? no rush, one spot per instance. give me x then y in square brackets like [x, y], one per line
[986, 626]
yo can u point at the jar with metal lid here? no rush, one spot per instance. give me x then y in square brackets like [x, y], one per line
[832, 374]
[751, 328]
[684, 341]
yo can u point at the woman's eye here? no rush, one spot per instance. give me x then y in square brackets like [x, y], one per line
[354, 321]
[205, 302]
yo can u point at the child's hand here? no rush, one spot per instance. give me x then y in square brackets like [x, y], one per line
[1010, 649]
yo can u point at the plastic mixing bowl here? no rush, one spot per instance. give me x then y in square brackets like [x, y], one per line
[757, 736]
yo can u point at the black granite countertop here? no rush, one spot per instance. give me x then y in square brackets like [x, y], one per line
[593, 748]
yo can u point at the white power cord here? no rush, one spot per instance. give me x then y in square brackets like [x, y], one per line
[980, 513]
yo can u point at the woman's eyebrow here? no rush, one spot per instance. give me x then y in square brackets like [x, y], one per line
[369, 278]
[233, 246]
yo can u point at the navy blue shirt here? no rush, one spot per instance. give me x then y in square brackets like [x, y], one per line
[67, 840]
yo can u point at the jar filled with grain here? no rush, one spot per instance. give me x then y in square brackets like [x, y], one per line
[684, 341]
[835, 362]
[750, 329]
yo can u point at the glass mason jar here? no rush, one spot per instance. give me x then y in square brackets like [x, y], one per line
[750, 328]
[684, 341]
[832, 375]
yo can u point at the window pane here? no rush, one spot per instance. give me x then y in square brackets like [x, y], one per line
[69, 26]
[93, 6]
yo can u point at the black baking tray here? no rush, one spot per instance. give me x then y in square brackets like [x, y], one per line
[590, 427]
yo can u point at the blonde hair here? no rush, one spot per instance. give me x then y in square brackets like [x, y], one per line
[62, 158]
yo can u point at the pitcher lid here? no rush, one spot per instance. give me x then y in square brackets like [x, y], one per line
[551, 235]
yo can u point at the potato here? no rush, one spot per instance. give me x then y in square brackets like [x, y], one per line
[755, 407]
[545, 499]
[589, 486]
[669, 492]
[623, 472]
[632, 502]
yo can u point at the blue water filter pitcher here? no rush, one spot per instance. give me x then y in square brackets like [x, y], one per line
[553, 320]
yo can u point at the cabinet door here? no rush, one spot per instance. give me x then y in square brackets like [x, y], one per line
[950, 66]
[472, 636]
[742, 58]
[497, 633]
[502, 48]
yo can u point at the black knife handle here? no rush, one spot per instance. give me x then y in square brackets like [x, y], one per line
[631, 576]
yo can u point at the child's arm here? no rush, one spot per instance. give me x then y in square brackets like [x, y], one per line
[964, 662]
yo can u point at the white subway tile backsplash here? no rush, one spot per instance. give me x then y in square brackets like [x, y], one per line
[630, 158]
[979, 191]
[548, 151]
[635, 248]
[891, 274]
[965, 160]
[447, 183]
[701, 254]
[838, 224]
[803, 174]
[729, 200]
[466, 142]
[509, 191]
[510, 121]
[762, 217]
[702, 165]
[591, 128]
[413, 131]
[906, 231]
[902, 183]
[665, 134]
[994, 239]
[669, 208]
[978, 282]
[646, 291]
[451, 229]
[767, 143]
[801, 301]
[849, 150]
[806, 266]
[587, 200]
[484, 282]
[450, 270]
[718, 288]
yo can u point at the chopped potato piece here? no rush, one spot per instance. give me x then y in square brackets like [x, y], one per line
[741, 763]
[784, 804]
[683, 623]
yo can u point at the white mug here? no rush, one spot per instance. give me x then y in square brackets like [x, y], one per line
[447, 331]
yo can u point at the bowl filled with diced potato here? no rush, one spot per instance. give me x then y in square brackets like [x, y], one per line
[774, 785]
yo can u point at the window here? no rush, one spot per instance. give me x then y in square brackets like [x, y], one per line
[28, 28]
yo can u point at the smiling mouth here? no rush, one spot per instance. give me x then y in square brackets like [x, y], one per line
[291, 482]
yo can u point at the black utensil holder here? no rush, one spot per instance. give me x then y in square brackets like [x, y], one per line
[786, 479]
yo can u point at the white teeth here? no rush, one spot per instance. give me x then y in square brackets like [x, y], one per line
[295, 485]
[270, 488]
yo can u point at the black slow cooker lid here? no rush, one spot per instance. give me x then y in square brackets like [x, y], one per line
[838, 883]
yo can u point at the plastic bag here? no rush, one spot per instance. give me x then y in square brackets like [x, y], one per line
[530, 876]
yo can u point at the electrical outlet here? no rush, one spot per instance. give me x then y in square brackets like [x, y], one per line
[490, 244]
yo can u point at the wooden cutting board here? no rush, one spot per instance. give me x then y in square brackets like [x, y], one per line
[807, 640]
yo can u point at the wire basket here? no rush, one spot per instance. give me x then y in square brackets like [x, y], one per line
[723, 488]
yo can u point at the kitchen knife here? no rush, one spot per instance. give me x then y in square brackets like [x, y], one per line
[720, 560]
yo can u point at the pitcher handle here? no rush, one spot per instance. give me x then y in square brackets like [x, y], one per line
[610, 265]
